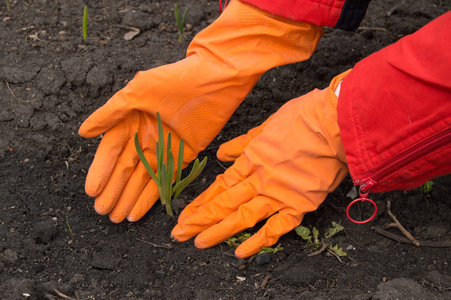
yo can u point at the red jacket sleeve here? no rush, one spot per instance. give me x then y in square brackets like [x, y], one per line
[394, 111]
[343, 14]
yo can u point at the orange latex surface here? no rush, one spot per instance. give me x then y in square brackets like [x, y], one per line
[286, 168]
[195, 97]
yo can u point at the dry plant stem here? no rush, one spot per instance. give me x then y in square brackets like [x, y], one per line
[372, 28]
[62, 295]
[12, 93]
[334, 254]
[401, 239]
[265, 282]
[165, 246]
[399, 226]
[323, 248]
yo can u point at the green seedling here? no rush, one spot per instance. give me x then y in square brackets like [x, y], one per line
[7, 5]
[238, 239]
[235, 241]
[312, 238]
[70, 229]
[271, 250]
[336, 228]
[85, 23]
[180, 23]
[165, 178]
[426, 187]
[337, 250]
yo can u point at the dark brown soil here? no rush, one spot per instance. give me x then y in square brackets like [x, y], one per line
[51, 238]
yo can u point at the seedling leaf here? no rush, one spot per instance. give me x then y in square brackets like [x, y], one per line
[238, 239]
[180, 161]
[164, 178]
[334, 230]
[144, 160]
[304, 233]
[337, 250]
[85, 23]
[180, 23]
[315, 234]
[270, 250]
[426, 187]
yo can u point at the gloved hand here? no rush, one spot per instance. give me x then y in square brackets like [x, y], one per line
[195, 97]
[287, 167]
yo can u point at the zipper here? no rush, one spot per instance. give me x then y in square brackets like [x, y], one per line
[402, 159]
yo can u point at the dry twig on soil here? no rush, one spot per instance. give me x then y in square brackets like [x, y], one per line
[165, 246]
[398, 225]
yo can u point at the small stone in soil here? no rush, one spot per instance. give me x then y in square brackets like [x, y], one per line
[263, 259]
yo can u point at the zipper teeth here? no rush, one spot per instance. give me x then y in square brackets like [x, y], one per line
[403, 157]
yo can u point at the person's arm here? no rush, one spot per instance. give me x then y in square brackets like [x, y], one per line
[342, 14]
[395, 111]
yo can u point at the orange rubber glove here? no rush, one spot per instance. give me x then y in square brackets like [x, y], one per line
[195, 97]
[287, 167]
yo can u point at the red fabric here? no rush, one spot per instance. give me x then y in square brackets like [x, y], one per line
[318, 12]
[395, 100]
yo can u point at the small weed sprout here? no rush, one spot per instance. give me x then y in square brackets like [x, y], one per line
[238, 239]
[313, 239]
[180, 23]
[271, 250]
[85, 23]
[70, 229]
[426, 188]
[7, 5]
[165, 171]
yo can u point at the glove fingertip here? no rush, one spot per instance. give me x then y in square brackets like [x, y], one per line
[202, 243]
[246, 250]
[230, 150]
[86, 129]
[115, 218]
[135, 215]
[178, 235]
[101, 209]
[93, 187]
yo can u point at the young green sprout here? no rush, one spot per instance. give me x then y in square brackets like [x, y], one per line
[180, 23]
[7, 5]
[167, 188]
[426, 188]
[313, 239]
[85, 23]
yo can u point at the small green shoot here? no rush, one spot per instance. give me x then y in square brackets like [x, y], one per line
[426, 188]
[271, 250]
[313, 240]
[235, 241]
[85, 23]
[304, 233]
[337, 250]
[180, 23]
[336, 228]
[165, 179]
[70, 229]
[7, 5]
[238, 239]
